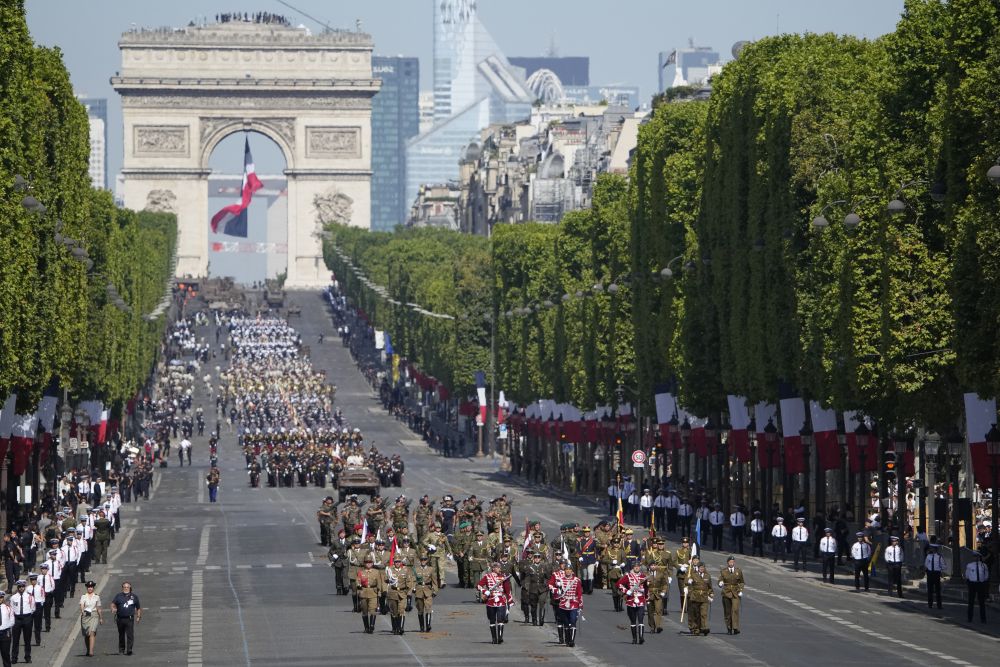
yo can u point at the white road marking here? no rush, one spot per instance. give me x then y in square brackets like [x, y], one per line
[203, 546]
[196, 629]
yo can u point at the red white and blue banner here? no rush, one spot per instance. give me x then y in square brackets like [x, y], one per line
[233, 218]
[980, 415]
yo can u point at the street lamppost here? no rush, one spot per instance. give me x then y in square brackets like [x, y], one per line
[956, 451]
[726, 467]
[931, 444]
[993, 448]
[685, 441]
[771, 443]
[710, 441]
[899, 446]
[862, 436]
[672, 430]
[806, 434]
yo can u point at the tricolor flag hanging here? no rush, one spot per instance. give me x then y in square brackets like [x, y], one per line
[7, 416]
[980, 415]
[22, 439]
[666, 409]
[501, 408]
[233, 218]
[481, 395]
[853, 419]
[46, 420]
[824, 421]
[793, 418]
[739, 436]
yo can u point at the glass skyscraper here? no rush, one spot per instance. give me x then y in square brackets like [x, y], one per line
[395, 120]
[474, 86]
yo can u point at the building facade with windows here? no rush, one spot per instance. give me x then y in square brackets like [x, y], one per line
[395, 120]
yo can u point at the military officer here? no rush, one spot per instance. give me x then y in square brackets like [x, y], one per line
[102, 537]
[534, 574]
[494, 590]
[351, 515]
[337, 555]
[425, 588]
[658, 581]
[732, 584]
[422, 517]
[634, 587]
[699, 596]
[355, 561]
[460, 543]
[587, 559]
[405, 553]
[478, 557]
[683, 559]
[613, 562]
[371, 585]
[399, 584]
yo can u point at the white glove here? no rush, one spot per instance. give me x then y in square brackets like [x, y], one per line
[690, 581]
[334, 557]
[614, 562]
[431, 547]
[740, 594]
[663, 595]
[684, 568]
[711, 598]
[581, 559]
[670, 580]
[720, 583]
[685, 590]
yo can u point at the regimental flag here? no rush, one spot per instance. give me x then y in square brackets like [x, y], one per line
[620, 515]
[233, 218]
[392, 552]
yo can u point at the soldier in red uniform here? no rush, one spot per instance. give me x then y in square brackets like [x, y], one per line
[568, 591]
[555, 585]
[635, 589]
[494, 590]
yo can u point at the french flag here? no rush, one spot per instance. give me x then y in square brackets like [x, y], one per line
[824, 421]
[793, 418]
[481, 395]
[980, 415]
[233, 218]
[739, 436]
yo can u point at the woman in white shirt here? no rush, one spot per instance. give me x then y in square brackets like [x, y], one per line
[90, 617]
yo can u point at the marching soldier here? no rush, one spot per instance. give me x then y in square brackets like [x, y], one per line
[337, 555]
[570, 602]
[371, 585]
[699, 596]
[400, 514]
[425, 588]
[327, 517]
[477, 557]
[398, 587]
[613, 560]
[355, 562]
[684, 558]
[460, 543]
[405, 553]
[422, 517]
[437, 547]
[494, 590]
[634, 587]
[351, 515]
[587, 550]
[658, 583]
[732, 584]
[534, 576]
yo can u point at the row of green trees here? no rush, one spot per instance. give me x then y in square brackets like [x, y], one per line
[59, 327]
[706, 266]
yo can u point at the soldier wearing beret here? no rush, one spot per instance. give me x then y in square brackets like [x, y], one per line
[732, 584]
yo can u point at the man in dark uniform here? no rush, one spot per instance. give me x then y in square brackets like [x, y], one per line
[534, 575]
[337, 555]
[425, 588]
[327, 517]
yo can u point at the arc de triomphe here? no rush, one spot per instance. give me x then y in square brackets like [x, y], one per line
[184, 90]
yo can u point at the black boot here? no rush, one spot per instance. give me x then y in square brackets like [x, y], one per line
[394, 623]
[429, 621]
[534, 617]
[635, 635]
[527, 612]
[354, 598]
[570, 636]
[499, 633]
[642, 633]
[402, 624]
[562, 636]
[541, 615]
[364, 618]
[371, 625]
[423, 622]
[493, 633]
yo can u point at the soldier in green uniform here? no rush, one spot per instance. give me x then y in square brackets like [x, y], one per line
[602, 536]
[371, 586]
[664, 559]
[399, 583]
[478, 558]
[731, 582]
[327, 517]
[351, 515]
[460, 543]
[405, 553]
[355, 561]
[437, 547]
[533, 574]
[425, 587]
[613, 564]
[699, 596]
[684, 559]
[659, 591]
[102, 537]
[337, 555]
[422, 517]
[399, 515]
[376, 516]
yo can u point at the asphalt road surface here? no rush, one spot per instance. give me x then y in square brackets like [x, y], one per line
[245, 582]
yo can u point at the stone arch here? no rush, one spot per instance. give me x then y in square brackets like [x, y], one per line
[281, 131]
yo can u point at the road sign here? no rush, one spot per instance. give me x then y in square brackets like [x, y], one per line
[639, 458]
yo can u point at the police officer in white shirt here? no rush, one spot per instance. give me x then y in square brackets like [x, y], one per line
[48, 584]
[672, 504]
[894, 563]
[23, 605]
[646, 505]
[757, 535]
[684, 514]
[861, 554]
[977, 577]
[38, 592]
[717, 519]
[800, 543]
[738, 521]
[6, 627]
[70, 557]
[779, 540]
[828, 553]
[934, 565]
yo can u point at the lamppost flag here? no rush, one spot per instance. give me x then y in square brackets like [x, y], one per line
[233, 218]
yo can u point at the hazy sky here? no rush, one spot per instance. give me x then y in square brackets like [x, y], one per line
[622, 38]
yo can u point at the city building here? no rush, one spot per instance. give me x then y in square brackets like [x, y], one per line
[426, 106]
[436, 205]
[97, 116]
[571, 70]
[691, 66]
[474, 87]
[540, 169]
[395, 120]
[625, 96]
